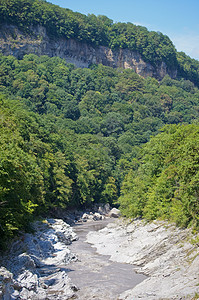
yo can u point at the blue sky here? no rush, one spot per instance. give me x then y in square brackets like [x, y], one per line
[179, 19]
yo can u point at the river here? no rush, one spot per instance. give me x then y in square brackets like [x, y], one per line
[40, 266]
[95, 275]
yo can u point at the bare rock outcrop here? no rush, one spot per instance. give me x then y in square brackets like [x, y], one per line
[168, 255]
[35, 267]
[17, 43]
[6, 284]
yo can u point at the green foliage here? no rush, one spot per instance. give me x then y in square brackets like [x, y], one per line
[165, 183]
[188, 68]
[21, 186]
[154, 47]
[97, 30]
[69, 136]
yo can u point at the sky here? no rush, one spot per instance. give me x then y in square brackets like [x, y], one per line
[178, 19]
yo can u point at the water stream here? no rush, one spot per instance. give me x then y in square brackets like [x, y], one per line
[95, 275]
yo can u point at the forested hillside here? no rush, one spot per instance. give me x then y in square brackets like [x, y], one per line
[100, 30]
[165, 180]
[72, 137]
[69, 136]
[154, 47]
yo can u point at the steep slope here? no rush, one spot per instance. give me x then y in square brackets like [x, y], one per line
[15, 42]
[35, 26]
[70, 135]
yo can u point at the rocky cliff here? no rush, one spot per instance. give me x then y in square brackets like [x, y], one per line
[15, 42]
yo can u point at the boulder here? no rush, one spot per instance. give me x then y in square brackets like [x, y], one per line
[97, 217]
[6, 282]
[114, 213]
[104, 209]
[85, 216]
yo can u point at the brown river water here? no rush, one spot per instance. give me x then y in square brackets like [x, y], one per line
[95, 275]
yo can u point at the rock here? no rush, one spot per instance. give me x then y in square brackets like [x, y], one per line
[37, 261]
[104, 209]
[92, 217]
[28, 280]
[63, 231]
[60, 287]
[17, 286]
[26, 261]
[97, 217]
[74, 288]
[79, 53]
[114, 213]
[85, 216]
[34, 264]
[6, 284]
[160, 250]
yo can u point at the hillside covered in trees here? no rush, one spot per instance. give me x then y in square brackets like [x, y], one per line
[154, 47]
[69, 136]
[72, 137]
[164, 181]
[100, 30]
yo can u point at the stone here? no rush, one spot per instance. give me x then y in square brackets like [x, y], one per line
[85, 216]
[104, 209]
[91, 217]
[33, 264]
[114, 213]
[97, 217]
[26, 261]
[78, 53]
[158, 249]
[6, 284]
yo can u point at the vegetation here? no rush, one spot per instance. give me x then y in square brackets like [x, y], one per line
[154, 47]
[164, 183]
[99, 30]
[188, 68]
[69, 136]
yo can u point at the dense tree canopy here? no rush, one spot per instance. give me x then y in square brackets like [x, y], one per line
[154, 47]
[188, 68]
[69, 136]
[96, 30]
[164, 183]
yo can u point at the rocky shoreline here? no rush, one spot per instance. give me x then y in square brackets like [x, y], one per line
[168, 255]
[36, 266]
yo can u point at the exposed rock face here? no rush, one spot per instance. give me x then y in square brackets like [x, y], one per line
[168, 255]
[14, 42]
[6, 283]
[37, 264]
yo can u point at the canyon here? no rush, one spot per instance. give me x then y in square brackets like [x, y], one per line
[134, 260]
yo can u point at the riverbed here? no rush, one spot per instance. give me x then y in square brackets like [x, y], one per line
[96, 276]
[167, 254]
[52, 263]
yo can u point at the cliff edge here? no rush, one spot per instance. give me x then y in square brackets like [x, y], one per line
[15, 42]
